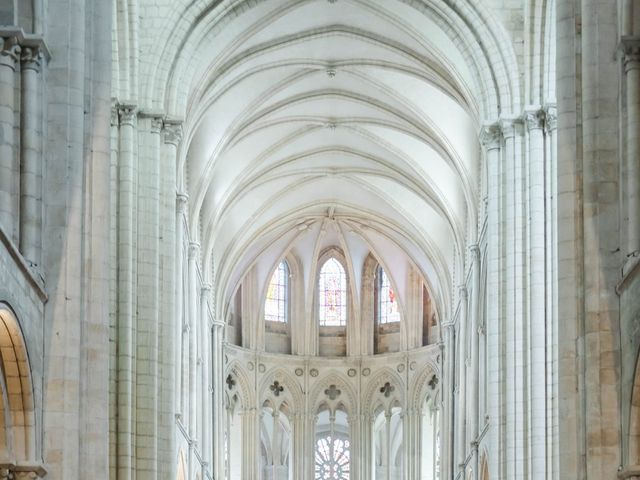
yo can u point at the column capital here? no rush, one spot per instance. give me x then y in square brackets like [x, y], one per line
[217, 324]
[630, 48]
[491, 136]
[551, 118]
[31, 58]
[462, 290]
[9, 51]
[115, 120]
[508, 126]
[194, 249]
[534, 119]
[474, 249]
[172, 132]
[182, 199]
[206, 288]
[127, 113]
[156, 125]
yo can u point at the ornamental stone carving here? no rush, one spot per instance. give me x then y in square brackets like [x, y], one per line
[172, 133]
[9, 52]
[128, 114]
[31, 58]
[630, 47]
[491, 136]
[534, 120]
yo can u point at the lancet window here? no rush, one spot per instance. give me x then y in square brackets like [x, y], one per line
[332, 294]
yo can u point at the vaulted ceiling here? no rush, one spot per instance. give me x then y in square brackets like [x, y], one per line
[359, 114]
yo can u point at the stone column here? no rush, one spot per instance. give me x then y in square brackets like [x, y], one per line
[537, 296]
[31, 157]
[631, 51]
[473, 406]
[552, 300]
[171, 321]
[298, 444]
[461, 397]
[448, 450]
[180, 320]
[205, 337]
[148, 306]
[192, 399]
[218, 399]
[126, 291]
[250, 443]
[9, 55]
[366, 455]
[491, 137]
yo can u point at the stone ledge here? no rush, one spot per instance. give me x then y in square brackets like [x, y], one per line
[24, 470]
[629, 472]
[24, 267]
[629, 272]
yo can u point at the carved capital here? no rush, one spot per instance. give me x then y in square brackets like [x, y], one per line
[31, 58]
[551, 118]
[491, 136]
[115, 120]
[156, 125]
[462, 289]
[5, 474]
[128, 114]
[509, 126]
[9, 52]
[534, 119]
[630, 47]
[172, 133]
[182, 199]
[206, 288]
[474, 250]
[194, 250]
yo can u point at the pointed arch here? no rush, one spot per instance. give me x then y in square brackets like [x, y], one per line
[17, 389]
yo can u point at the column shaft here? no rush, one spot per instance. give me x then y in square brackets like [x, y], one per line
[537, 297]
[31, 158]
[631, 47]
[9, 54]
[126, 290]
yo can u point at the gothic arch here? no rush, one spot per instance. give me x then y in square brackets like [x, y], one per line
[347, 398]
[293, 395]
[17, 389]
[420, 388]
[242, 388]
[373, 398]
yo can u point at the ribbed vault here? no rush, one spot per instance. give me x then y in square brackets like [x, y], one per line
[360, 113]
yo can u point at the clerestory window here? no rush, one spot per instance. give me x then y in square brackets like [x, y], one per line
[276, 303]
[388, 310]
[332, 294]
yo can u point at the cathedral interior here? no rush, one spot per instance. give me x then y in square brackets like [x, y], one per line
[320, 239]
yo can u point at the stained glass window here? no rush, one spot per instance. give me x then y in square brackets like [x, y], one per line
[332, 294]
[275, 305]
[387, 301]
[332, 458]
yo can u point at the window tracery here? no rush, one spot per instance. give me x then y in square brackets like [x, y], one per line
[332, 458]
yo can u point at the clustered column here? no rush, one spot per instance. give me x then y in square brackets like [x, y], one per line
[21, 62]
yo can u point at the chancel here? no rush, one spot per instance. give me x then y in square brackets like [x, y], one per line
[320, 239]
